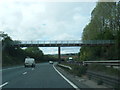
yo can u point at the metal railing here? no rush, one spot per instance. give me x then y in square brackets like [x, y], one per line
[102, 62]
[105, 62]
[108, 80]
[65, 42]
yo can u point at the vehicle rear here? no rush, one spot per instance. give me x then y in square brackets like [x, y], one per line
[29, 62]
[51, 62]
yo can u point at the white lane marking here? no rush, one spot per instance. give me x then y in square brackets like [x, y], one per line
[24, 73]
[73, 85]
[3, 84]
[11, 68]
[32, 68]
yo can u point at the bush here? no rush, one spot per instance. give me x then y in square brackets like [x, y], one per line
[77, 70]
[116, 87]
[89, 77]
[102, 68]
[96, 67]
[99, 82]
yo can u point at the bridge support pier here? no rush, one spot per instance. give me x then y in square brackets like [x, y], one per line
[59, 54]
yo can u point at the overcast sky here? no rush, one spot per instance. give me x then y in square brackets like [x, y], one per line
[45, 21]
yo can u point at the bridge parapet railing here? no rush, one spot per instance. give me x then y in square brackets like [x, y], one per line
[51, 42]
[98, 41]
[65, 42]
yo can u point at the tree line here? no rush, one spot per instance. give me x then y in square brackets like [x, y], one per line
[104, 25]
[17, 55]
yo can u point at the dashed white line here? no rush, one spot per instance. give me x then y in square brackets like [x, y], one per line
[73, 85]
[24, 73]
[3, 84]
[32, 68]
[12, 68]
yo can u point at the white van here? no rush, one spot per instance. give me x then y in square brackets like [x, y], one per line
[29, 62]
[70, 59]
[50, 62]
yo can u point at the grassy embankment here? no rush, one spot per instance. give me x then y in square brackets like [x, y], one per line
[81, 70]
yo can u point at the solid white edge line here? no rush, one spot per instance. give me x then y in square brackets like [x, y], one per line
[24, 73]
[73, 85]
[3, 84]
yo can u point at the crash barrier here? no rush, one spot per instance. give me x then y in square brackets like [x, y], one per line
[65, 66]
[102, 62]
[105, 79]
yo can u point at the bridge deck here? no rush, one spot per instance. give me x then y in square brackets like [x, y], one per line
[63, 43]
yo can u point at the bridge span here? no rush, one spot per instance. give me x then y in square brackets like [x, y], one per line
[62, 43]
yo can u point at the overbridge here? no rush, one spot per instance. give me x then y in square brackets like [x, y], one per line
[62, 43]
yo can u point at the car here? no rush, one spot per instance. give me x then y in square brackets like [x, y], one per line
[29, 62]
[50, 62]
[70, 60]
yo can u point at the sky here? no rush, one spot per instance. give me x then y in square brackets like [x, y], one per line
[31, 20]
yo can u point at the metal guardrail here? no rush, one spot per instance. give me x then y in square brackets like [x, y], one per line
[65, 66]
[16, 42]
[105, 62]
[108, 80]
[113, 81]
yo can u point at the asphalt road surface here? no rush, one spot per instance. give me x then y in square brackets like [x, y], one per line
[43, 75]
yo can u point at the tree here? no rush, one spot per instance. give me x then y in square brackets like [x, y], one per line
[104, 25]
[34, 52]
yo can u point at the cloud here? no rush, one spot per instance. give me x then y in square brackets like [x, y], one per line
[64, 36]
[64, 50]
[45, 20]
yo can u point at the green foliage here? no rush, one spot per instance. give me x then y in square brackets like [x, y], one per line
[103, 69]
[11, 55]
[77, 70]
[34, 52]
[96, 67]
[104, 25]
[16, 55]
[116, 87]
[99, 82]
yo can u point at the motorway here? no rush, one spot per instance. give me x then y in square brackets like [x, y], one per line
[44, 75]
